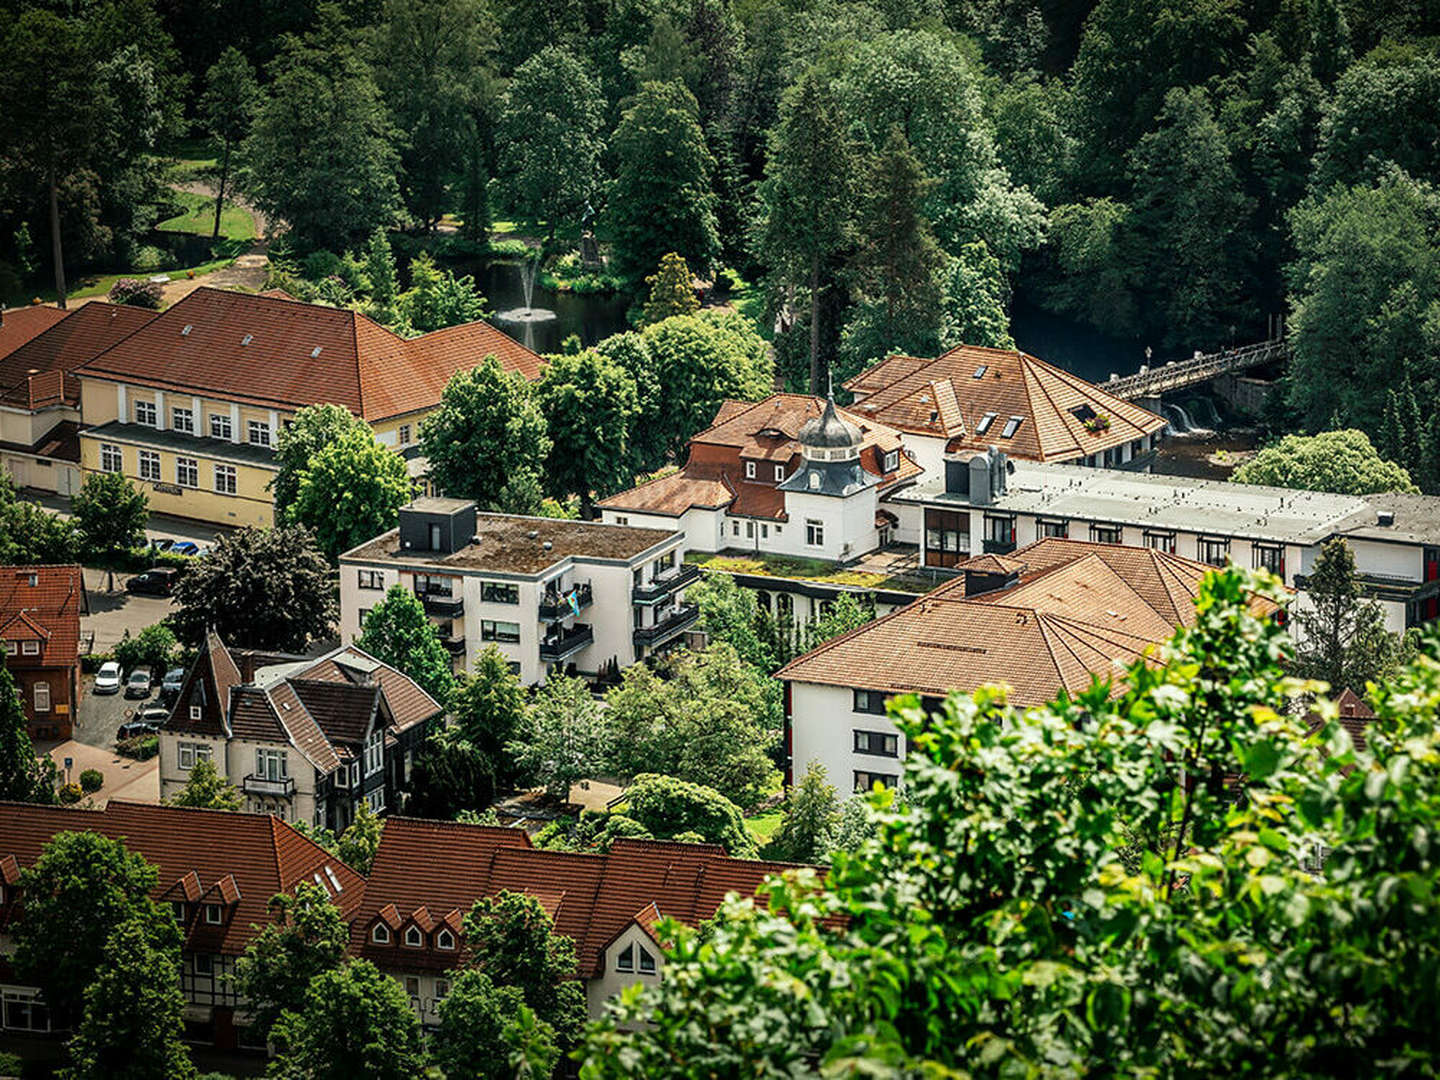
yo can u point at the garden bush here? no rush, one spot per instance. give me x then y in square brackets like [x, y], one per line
[141, 747]
[148, 259]
[136, 293]
[70, 794]
[91, 781]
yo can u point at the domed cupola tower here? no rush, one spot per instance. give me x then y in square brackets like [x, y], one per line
[830, 456]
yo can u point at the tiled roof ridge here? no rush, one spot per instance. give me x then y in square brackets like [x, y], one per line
[1029, 377]
[370, 656]
[834, 642]
[359, 364]
[280, 718]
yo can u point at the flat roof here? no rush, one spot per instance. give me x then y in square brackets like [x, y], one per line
[1169, 503]
[435, 504]
[514, 544]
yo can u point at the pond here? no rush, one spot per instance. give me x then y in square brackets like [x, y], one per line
[590, 317]
[1075, 346]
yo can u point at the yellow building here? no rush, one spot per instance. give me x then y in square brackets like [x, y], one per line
[189, 407]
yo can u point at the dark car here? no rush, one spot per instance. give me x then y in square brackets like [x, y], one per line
[133, 728]
[158, 581]
[170, 686]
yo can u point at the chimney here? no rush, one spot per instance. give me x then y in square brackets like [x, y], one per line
[984, 581]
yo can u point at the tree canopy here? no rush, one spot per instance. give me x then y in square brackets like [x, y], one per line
[1344, 462]
[350, 491]
[399, 633]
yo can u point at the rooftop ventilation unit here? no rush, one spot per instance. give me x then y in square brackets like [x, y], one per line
[1385, 517]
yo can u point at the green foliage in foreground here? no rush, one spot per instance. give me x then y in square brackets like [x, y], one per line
[994, 930]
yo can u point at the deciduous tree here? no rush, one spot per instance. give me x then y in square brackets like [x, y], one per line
[311, 430]
[361, 839]
[399, 633]
[437, 298]
[110, 513]
[305, 937]
[259, 589]
[354, 1021]
[488, 1032]
[590, 404]
[227, 109]
[487, 439]
[207, 789]
[812, 814]
[667, 807]
[21, 779]
[672, 290]
[1340, 461]
[563, 738]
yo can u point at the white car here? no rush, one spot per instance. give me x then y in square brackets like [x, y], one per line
[107, 679]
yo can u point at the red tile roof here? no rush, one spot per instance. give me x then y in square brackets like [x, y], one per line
[443, 866]
[360, 365]
[209, 856]
[1077, 611]
[38, 373]
[47, 611]
[765, 432]
[948, 397]
[19, 325]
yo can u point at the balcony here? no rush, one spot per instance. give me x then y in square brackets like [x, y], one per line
[455, 645]
[998, 547]
[284, 787]
[558, 647]
[652, 592]
[680, 619]
[557, 605]
[442, 604]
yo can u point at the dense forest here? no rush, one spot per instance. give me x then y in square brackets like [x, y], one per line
[891, 174]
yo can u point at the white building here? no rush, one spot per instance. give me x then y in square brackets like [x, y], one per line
[1051, 617]
[304, 739]
[986, 502]
[550, 594]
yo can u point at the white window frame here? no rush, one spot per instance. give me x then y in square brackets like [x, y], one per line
[191, 754]
[625, 959]
[225, 479]
[182, 420]
[30, 648]
[375, 800]
[220, 426]
[196, 712]
[150, 465]
[112, 458]
[370, 579]
[272, 764]
[814, 533]
[749, 470]
[892, 460]
[412, 932]
[258, 433]
[779, 473]
[42, 697]
[375, 751]
[646, 961]
[403, 435]
[187, 472]
[146, 413]
[214, 914]
[445, 940]
[380, 934]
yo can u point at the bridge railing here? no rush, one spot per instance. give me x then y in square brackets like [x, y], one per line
[1179, 373]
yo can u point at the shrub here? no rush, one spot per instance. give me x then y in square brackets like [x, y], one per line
[148, 259]
[136, 293]
[10, 1064]
[141, 747]
[319, 265]
[91, 781]
[71, 793]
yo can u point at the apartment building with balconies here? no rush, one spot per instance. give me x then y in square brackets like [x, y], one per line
[552, 595]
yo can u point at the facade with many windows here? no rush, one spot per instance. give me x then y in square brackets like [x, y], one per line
[303, 739]
[551, 595]
[190, 405]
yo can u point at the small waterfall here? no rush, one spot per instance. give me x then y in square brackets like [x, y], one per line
[1180, 421]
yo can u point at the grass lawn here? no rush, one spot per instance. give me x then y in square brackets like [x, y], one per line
[199, 218]
[762, 826]
[749, 300]
[193, 158]
[100, 284]
[782, 566]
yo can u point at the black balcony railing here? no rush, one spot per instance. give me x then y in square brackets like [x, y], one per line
[284, 786]
[559, 646]
[556, 605]
[654, 591]
[674, 622]
[456, 645]
[998, 547]
[441, 604]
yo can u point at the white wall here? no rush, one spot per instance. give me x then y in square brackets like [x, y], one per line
[1391, 560]
[610, 982]
[822, 726]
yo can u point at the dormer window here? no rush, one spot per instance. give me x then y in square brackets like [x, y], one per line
[445, 940]
[194, 712]
[626, 960]
[414, 938]
[749, 470]
[814, 481]
[892, 460]
[177, 908]
[214, 914]
[380, 934]
[779, 473]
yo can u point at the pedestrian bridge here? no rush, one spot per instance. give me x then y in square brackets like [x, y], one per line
[1178, 374]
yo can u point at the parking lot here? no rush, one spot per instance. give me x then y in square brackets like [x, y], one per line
[113, 612]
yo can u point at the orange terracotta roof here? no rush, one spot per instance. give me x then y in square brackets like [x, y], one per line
[1078, 611]
[237, 860]
[950, 396]
[672, 495]
[271, 351]
[592, 896]
[38, 373]
[47, 611]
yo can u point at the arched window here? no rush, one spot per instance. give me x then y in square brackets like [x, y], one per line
[445, 940]
[413, 937]
[380, 934]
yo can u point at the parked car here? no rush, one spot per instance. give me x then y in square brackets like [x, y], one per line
[157, 581]
[133, 728]
[171, 684]
[138, 684]
[185, 547]
[107, 679]
[154, 714]
[161, 544]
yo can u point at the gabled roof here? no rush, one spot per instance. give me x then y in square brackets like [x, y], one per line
[267, 350]
[592, 896]
[321, 706]
[950, 396]
[47, 611]
[19, 325]
[766, 432]
[1076, 611]
[38, 373]
[210, 856]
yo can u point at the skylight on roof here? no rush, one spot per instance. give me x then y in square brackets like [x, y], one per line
[247, 339]
[333, 879]
[1011, 426]
[314, 353]
[980, 371]
[985, 422]
[186, 331]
